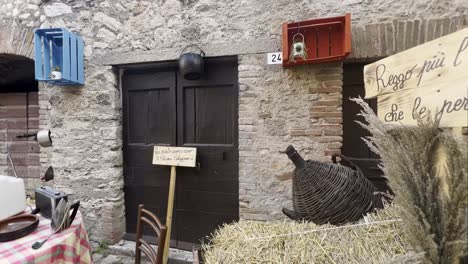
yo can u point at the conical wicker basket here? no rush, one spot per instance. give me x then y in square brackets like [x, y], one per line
[331, 193]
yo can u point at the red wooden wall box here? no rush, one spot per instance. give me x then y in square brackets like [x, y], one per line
[326, 39]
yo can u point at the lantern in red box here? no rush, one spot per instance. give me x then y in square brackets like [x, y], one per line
[321, 40]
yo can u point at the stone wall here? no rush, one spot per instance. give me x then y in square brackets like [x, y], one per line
[145, 25]
[300, 105]
[87, 152]
[24, 12]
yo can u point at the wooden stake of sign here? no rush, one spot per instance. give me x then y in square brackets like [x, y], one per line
[173, 156]
[170, 209]
[427, 78]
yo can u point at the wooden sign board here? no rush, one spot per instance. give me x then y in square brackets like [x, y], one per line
[430, 78]
[174, 156]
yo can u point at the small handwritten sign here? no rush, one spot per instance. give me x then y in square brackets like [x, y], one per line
[430, 78]
[174, 156]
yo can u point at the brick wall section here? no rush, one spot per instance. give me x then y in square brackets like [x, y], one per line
[385, 39]
[17, 40]
[277, 107]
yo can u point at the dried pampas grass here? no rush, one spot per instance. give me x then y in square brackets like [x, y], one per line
[427, 170]
[375, 239]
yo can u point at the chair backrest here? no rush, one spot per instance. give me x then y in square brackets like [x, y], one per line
[146, 217]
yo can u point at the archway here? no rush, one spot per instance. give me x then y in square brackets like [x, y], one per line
[19, 107]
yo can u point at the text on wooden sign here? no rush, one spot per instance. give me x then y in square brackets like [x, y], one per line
[430, 78]
[174, 156]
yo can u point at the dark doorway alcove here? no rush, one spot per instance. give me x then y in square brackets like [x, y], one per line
[353, 133]
[16, 74]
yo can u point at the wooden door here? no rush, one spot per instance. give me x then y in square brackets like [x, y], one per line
[353, 145]
[149, 119]
[161, 108]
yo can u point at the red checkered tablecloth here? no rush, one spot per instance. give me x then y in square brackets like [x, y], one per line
[69, 246]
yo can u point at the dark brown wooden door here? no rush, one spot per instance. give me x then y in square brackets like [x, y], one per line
[161, 108]
[353, 145]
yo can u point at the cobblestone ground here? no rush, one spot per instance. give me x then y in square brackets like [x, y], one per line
[124, 252]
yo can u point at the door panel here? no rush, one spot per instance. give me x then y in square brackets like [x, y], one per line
[137, 119]
[208, 113]
[161, 108]
[150, 108]
[150, 125]
[205, 201]
[187, 220]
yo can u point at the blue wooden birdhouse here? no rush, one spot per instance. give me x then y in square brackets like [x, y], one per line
[58, 55]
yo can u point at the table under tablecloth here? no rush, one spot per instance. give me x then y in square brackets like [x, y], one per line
[69, 246]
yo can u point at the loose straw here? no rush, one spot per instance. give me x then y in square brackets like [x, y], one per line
[325, 229]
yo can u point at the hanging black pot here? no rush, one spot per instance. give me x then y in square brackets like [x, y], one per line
[191, 64]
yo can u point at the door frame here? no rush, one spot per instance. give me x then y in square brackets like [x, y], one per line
[173, 65]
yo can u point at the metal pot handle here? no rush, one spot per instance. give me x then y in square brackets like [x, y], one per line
[298, 34]
[202, 53]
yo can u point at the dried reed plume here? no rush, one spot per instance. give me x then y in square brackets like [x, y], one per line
[427, 170]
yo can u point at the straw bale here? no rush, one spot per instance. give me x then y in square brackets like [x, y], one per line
[375, 239]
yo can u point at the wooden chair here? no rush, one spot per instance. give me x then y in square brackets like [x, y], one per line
[145, 216]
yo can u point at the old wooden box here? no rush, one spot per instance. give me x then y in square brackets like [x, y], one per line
[326, 39]
[58, 49]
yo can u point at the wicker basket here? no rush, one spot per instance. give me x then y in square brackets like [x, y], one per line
[330, 193]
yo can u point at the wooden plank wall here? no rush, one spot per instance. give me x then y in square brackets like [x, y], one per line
[19, 114]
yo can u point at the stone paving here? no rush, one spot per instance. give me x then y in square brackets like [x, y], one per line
[124, 252]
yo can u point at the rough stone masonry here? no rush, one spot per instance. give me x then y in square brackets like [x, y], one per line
[277, 107]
